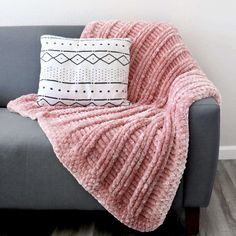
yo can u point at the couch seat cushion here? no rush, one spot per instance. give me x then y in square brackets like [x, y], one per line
[31, 176]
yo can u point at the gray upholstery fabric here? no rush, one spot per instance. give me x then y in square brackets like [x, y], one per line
[19, 57]
[204, 120]
[31, 177]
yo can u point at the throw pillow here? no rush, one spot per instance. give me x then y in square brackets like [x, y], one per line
[83, 71]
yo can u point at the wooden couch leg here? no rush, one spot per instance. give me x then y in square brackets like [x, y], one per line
[192, 216]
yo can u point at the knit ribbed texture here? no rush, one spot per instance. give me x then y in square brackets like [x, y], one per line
[131, 159]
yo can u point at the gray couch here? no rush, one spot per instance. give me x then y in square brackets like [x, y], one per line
[31, 177]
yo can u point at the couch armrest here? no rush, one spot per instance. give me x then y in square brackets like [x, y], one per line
[204, 128]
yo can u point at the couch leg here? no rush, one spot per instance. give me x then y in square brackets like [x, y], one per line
[192, 215]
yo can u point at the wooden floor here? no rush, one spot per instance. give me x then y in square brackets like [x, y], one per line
[219, 219]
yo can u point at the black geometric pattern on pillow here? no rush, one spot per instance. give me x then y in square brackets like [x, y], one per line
[77, 59]
[79, 104]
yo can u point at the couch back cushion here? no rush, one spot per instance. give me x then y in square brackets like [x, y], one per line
[20, 57]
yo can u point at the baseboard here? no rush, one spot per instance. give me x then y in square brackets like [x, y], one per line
[227, 152]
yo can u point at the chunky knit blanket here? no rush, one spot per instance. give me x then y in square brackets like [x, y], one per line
[131, 158]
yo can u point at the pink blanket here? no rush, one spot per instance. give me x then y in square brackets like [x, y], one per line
[131, 158]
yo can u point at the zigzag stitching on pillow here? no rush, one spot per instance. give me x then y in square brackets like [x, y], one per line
[77, 103]
[70, 99]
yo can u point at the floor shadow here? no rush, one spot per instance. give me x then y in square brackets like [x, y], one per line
[44, 223]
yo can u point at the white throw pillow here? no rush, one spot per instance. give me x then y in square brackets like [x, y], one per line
[83, 71]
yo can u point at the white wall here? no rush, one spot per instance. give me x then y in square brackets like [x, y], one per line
[208, 27]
